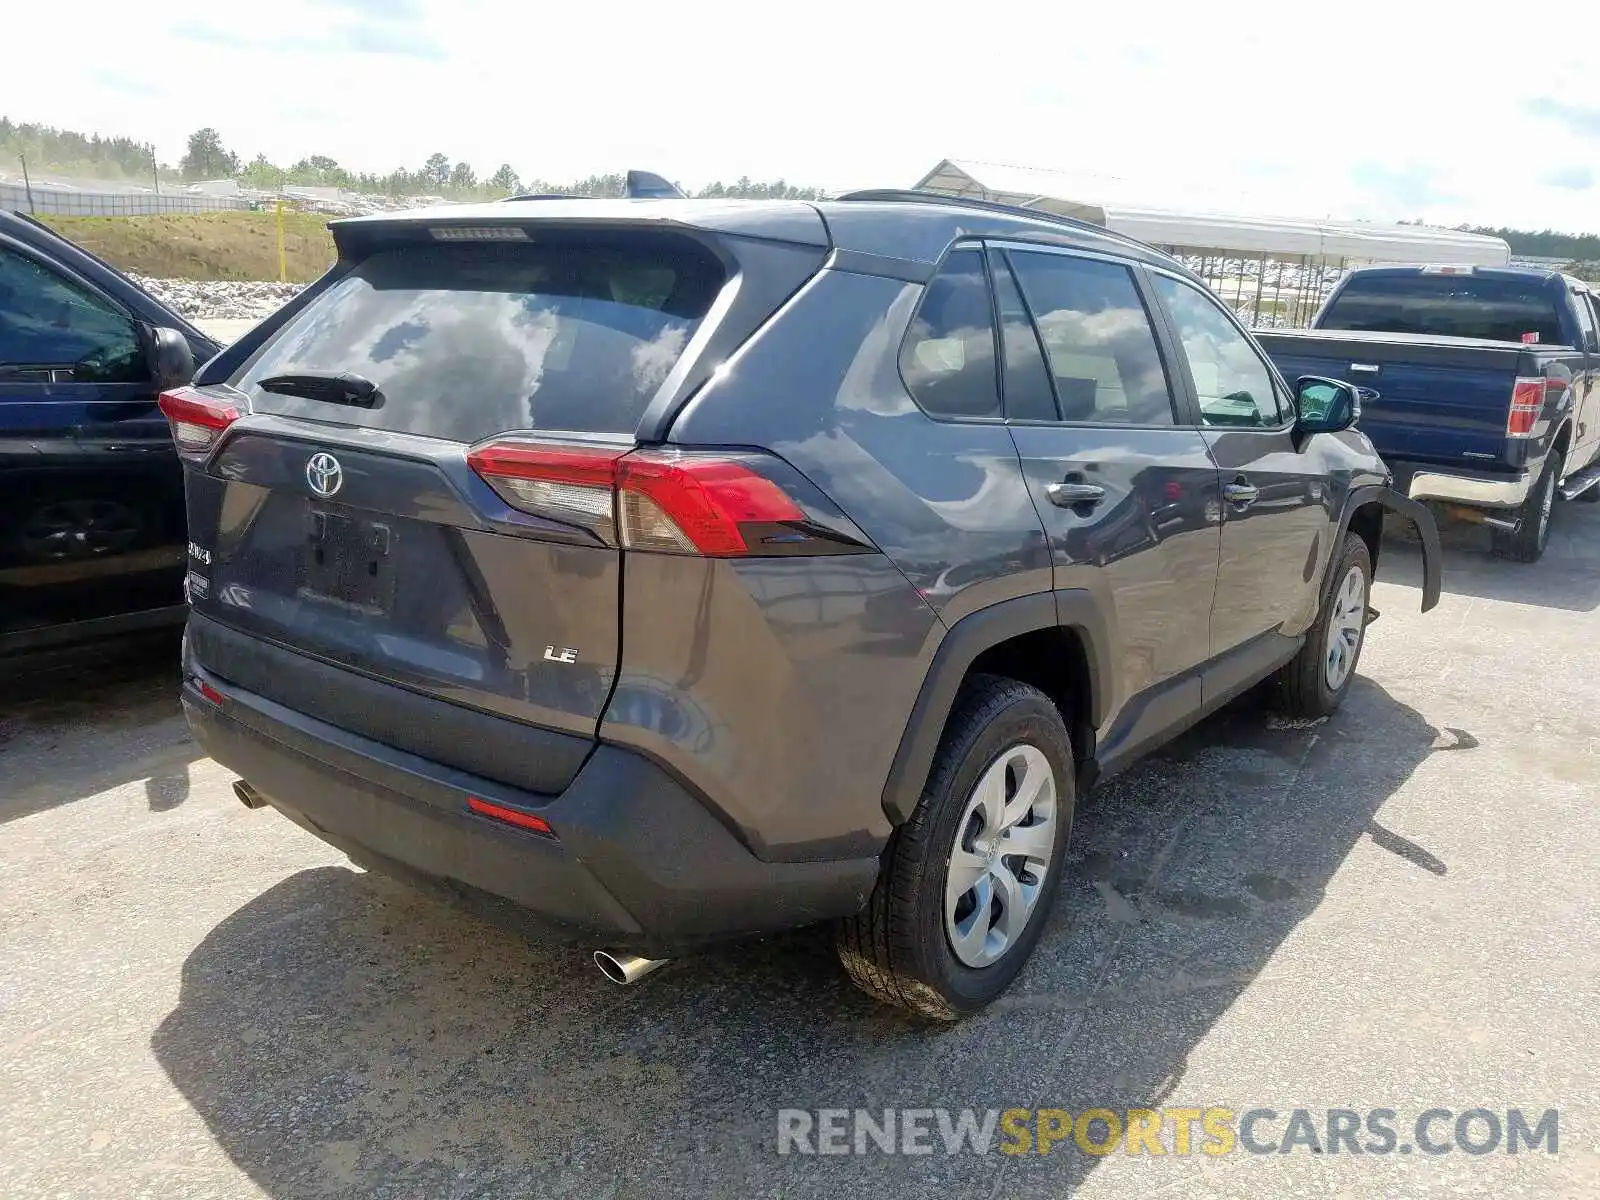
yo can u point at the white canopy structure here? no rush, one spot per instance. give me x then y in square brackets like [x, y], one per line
[1251, 261]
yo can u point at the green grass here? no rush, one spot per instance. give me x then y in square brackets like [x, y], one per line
[221, 245]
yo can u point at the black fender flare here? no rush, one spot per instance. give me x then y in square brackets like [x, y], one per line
[958, 649]
[1411, 510]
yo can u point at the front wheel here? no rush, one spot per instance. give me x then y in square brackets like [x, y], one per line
[968, 882]
[1315, 681]
[1527, 541]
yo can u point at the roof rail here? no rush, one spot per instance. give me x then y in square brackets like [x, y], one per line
[916, 196]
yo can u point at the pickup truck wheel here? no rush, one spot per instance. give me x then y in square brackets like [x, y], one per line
[968, 882]
[1314, 682]
[1527, 541]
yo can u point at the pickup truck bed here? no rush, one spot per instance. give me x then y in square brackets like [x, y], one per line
[1428, 401]
[1474, 423]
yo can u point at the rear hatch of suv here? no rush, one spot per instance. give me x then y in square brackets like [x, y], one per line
[404, 497]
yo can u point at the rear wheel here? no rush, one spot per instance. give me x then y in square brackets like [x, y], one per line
[1527, 541]
[968, 882]
[1315, 681]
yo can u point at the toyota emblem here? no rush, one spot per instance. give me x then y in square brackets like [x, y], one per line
[324, 475]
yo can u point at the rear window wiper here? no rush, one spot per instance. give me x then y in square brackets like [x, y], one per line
[331, 387]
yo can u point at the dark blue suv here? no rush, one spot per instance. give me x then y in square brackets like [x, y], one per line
[684, 570]
[92, 540]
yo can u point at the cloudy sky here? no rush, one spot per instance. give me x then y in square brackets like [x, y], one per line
[1343, 108]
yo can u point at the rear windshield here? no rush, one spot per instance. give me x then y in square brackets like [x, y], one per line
[1446, 306]
[465, 340]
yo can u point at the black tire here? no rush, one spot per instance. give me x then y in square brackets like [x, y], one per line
[1527, 541]
[1303, 689]
[897, 949]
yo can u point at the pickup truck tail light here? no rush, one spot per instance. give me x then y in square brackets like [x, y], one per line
[1527, 402]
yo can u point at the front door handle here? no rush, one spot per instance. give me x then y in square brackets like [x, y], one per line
[1070, 495]
[1241, 493]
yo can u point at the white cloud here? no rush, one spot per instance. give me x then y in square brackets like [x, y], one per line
[1382, 110]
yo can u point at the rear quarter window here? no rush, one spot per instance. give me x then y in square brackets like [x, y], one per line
[467, 340]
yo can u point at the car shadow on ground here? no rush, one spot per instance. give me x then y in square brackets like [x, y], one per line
[342, 1034]
[77, 723]
[1566, 577]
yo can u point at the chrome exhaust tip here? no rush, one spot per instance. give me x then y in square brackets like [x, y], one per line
[624, 969]
[248, 796]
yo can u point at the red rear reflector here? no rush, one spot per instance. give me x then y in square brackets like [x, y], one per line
[1527, 401]
[210, 693]
[197, 420]
[510, 816]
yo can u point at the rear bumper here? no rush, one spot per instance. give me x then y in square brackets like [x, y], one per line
[1481, 489]
[634, 862]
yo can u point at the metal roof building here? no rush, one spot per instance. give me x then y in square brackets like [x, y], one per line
[1274, 270]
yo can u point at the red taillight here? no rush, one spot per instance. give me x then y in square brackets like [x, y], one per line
[1527, 402]
[680, 503]
[573, 484]
[210, 693]
[693, 505]
[511, 816]
[197, 420]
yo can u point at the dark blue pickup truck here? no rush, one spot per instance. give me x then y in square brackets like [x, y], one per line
[92, 536]
[1479, 386]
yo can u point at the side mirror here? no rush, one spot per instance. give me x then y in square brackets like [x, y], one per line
[1325, 405]
[171, 358]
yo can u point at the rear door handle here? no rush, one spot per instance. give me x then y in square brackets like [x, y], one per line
[1068, 495]
[1241, 493]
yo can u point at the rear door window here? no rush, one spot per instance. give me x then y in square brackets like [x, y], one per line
[570, 333]
[1097, 338]
[1028, 394]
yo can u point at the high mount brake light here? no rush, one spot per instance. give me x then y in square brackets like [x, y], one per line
[196, 419]
[679, 503]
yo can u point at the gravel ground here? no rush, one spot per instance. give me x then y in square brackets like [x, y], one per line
[224, 300]
[1399, 907]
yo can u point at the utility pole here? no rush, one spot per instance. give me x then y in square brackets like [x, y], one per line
[27, 186]
[155, 169]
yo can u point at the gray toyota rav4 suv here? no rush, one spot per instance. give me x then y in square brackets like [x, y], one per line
[683, 570]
